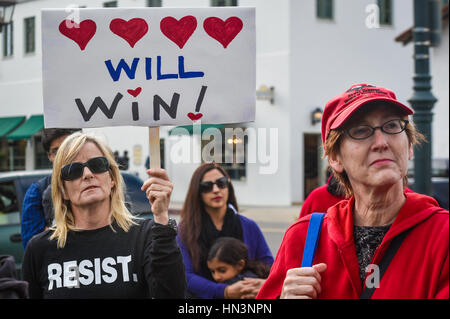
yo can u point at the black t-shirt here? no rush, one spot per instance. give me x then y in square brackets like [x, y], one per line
[144, 262]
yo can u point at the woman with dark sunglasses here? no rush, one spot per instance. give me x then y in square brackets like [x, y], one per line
[210, 211]
[97, 248]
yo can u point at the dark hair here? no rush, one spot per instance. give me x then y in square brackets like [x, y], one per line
[334, 187]
[231, 251]
[51, 134]
[191, 217]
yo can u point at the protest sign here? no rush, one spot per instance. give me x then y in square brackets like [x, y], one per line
[148, 66]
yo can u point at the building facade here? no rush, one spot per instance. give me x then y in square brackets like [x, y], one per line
[307, 52]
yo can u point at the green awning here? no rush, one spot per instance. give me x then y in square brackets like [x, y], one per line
[7, 124]
[34, 124]
[188, 129]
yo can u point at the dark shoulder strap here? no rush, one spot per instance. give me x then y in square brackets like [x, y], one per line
[312, 238]
[385, 261]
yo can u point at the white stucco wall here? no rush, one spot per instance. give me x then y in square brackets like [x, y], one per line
[327, 57]
[272, 70]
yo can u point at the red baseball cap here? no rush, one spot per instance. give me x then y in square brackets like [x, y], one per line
[340, 108]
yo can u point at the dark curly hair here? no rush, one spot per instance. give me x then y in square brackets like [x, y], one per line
[51, 134]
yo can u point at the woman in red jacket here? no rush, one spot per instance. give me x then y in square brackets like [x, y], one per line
[368, 141]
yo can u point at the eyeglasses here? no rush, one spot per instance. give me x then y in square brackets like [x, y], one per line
[391, 127]
[206, 187]
[75, 170]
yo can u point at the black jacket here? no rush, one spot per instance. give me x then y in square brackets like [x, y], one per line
[144, 262]
[10, 286]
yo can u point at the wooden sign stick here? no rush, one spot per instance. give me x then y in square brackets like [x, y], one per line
[155, 152]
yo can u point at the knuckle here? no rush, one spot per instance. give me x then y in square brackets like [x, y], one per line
[287, 290]
[288, 281]
[292, 272]
[309, 289]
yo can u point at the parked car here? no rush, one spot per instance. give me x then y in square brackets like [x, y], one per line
[439, 180]
[13, 186]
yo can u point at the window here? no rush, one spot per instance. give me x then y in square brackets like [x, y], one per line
[29, 36]
[8, 40]
[325, 9]
[154, 3]
[224, 3]
[234, 163]
[4, 158]
[385, 12]
[228, 147]
[40, 156]
[110, 4]
[311, 168]
[16, 155]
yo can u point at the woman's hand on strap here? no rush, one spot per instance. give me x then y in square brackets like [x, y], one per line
[303, 283]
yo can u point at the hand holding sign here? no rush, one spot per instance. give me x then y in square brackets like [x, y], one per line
[158, 189]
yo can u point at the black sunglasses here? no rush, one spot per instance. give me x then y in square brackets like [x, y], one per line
[75, 170]
[206, 187]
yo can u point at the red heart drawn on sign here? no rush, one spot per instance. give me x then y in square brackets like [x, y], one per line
[223, 31]
[195, 117]
[131, 31]
[80, 33]
[135, 92]
[179, 31]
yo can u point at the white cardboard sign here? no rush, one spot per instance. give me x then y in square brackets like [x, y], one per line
[148, 66]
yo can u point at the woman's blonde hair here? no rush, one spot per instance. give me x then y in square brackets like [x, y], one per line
[64, 218]
[333, 145]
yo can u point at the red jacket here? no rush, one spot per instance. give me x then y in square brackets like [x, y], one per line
[420, 268]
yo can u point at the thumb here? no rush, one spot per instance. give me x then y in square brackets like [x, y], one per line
[320, 267]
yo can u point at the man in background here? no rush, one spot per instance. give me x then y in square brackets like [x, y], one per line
[37, 209]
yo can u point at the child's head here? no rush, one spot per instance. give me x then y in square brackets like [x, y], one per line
[227, 258]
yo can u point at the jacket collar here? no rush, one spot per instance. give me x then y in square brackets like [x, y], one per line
[415, 210]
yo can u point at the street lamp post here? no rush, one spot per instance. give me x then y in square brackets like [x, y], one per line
[422, 100]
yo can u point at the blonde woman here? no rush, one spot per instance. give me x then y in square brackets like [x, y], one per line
[98, 249]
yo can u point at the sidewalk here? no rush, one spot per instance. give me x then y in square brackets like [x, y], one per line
[278, 214]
